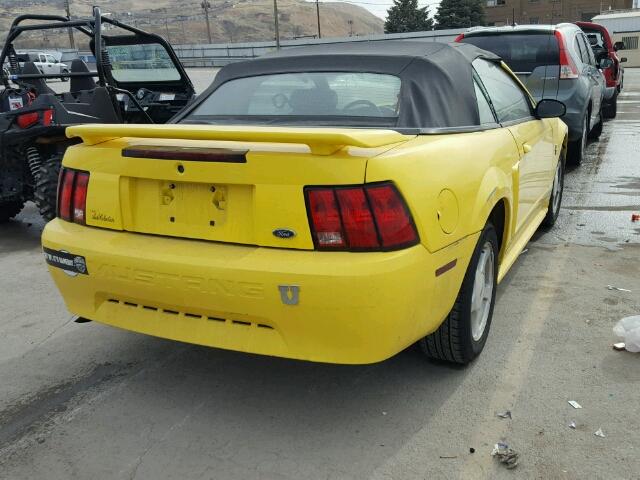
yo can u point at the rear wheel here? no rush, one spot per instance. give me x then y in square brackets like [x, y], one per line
[555, 200]
[578, 146]
[8, 210]
[46, 190]
[463, 334]
[610, 110]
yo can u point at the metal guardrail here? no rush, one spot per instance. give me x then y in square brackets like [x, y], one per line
[220, 54]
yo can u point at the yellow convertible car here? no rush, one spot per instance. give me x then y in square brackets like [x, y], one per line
[330, 203]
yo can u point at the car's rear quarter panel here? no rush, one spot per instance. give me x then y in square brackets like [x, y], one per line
[475, 167]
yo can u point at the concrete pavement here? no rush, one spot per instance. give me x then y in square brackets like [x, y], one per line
[90, 401]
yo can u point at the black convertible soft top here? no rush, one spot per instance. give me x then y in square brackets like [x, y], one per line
[437, 84]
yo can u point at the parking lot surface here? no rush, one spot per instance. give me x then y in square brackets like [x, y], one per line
[90, 401]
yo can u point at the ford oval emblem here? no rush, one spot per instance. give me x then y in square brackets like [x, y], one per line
[284, 233]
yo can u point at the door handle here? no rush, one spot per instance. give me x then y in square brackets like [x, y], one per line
[526, 147]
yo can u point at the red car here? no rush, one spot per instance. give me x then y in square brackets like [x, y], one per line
[604, 48]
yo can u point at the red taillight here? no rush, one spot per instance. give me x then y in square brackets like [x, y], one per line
[72, 195]
[370, 217]
[325, 218]
[65, 194]
[80, 197]
[27, 120]
[459, 38]
[357, 218]
[47, 117]
[393, 220]
[568, 69]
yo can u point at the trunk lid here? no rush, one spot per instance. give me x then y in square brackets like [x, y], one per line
[228, 184]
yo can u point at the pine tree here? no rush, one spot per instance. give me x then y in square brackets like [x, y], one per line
[406, 16]
[459, 14]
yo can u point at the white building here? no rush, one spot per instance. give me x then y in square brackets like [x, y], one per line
[624, 27]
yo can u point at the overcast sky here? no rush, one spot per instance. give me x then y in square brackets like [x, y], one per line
[380, 7]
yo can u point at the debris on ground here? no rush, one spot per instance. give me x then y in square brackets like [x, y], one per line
[572, 425]
[635, 217]
[384, 413]
[448, 456]
[524, 251]
[612, 287]
[506, 414]
[619, 346]
[472, 450]
[505, 454]
[628, 329]
[599, 433]
[574, 404]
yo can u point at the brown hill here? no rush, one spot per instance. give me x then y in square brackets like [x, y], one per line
[184, 21]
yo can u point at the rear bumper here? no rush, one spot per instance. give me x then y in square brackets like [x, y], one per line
[353, 307]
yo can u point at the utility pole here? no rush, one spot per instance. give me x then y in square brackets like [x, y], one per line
[275, 19]
[318, 17]
[206, 6]
[72, 42]
[166, 25]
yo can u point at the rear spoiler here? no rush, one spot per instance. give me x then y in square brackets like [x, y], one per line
[321, 141]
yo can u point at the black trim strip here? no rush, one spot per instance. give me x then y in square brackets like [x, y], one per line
[195, 154]
[445, 268]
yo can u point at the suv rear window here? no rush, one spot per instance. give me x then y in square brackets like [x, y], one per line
[523, 52]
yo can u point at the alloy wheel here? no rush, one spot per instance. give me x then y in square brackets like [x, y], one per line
[482, 291]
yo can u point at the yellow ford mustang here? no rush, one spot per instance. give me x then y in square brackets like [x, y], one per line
[330, 203]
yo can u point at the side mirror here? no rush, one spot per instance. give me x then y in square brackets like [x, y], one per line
[618, 46]
[623, 59]
[605, 63]
[549, 108]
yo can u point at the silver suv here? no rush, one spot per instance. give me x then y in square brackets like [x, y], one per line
[553, 61]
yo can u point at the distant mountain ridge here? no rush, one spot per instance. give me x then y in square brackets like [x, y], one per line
[231, 21]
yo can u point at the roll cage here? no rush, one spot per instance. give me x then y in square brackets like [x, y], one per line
[92, 28]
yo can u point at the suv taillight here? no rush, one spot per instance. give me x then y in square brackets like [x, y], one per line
[359, 218]
[568, 69]
[72, 195]
[44, 117]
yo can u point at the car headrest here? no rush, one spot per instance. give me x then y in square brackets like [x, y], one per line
[314, 100]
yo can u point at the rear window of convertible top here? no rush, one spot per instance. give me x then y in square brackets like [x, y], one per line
[314, 95]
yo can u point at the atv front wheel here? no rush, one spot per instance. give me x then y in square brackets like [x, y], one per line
[46, 191]
[10, 209]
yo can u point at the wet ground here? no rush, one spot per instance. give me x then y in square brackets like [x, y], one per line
[89, 401]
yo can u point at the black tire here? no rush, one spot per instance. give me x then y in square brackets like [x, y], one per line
[610, 110]
[454, 342]
[554, 206]
[64, 79]
[576, 148]
[46, 191]
[8, 210]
